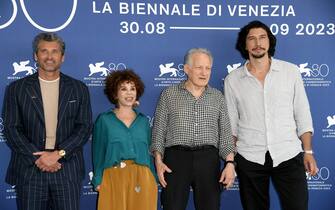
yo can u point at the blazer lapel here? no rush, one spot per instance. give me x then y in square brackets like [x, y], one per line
[34, 91]
[65, 91]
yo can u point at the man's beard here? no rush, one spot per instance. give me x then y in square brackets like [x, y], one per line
[258, 56]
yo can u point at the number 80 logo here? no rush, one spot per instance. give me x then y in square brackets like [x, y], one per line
[26, 14]
[323, 174]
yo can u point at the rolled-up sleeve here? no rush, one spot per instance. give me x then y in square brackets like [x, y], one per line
[302, 113]
[231, 106]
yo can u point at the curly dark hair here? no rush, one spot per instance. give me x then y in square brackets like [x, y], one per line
[242, 37]
[116, 78]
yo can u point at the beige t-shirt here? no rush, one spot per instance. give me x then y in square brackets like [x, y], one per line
[50, 93]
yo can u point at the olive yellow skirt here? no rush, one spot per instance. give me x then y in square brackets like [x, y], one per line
[128, 186]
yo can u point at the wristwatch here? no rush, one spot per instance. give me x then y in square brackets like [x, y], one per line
[61, 153]
[232, 162]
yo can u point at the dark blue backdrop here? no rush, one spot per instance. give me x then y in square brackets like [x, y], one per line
[105, 36]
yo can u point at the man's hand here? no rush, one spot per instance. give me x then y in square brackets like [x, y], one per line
[48, 161]
[309, 161]
[228, 175]
[161, 168]
[52, 168]
[310, 164]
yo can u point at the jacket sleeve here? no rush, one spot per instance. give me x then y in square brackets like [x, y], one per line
[83, 124]
[13, 127]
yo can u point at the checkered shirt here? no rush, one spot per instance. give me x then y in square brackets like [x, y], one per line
[181, 119]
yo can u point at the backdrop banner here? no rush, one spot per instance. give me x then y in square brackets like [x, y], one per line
[152, 37]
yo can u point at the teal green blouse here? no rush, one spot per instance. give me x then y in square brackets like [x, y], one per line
[113, 142]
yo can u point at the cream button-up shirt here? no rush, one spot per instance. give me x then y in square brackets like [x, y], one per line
[270, 117]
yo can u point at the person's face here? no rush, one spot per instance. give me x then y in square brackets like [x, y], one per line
[257, 43]
[126, 94]
[199, 71]
[49, 56]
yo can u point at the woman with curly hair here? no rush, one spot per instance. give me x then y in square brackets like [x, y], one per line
[123, 172]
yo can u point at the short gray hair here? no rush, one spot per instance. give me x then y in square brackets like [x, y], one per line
[190, 52]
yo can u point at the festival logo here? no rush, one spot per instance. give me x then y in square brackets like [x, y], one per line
[22, 69]
[169, 74]
[233, 67]
[331, 121]
[321, 180]
[8, 20]
[33, 22]
[11, 192]
[88, 187]
[168, 68]
[99, 70]
[151, 120]
[304, 70]
[2, 127]
[90, 177]
[315, 75]
[329, 130]
[230, 68]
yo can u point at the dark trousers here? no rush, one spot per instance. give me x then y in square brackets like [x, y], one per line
[289, 180]
[43, 192]
[198, 168]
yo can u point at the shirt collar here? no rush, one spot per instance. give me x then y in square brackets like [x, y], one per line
[110, 111]
[273, 67]
[208, 88]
